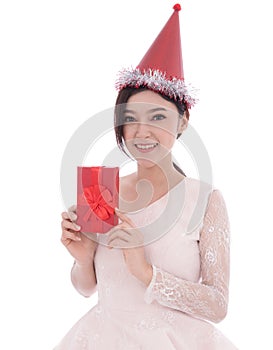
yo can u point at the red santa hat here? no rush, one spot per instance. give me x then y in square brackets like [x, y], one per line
[161, 69]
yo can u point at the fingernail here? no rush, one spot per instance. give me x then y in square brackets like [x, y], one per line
[73, 216]
[77, 227]
[78, 238]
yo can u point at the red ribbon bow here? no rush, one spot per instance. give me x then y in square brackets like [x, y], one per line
[98, 197]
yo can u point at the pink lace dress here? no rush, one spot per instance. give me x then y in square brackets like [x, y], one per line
[187, 243]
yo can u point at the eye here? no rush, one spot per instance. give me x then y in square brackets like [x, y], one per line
[159, 117]
[128, 119]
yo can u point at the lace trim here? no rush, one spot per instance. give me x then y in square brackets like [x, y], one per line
[207, 299]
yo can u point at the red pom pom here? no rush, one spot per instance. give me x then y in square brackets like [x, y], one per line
[177, 7]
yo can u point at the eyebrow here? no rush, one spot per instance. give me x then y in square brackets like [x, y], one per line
[149, 111]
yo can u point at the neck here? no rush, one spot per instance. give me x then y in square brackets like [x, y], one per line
[160, 174]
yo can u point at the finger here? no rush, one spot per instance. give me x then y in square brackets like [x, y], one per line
[118, 235]
[73, 208]
[68, 235]
[65, 216]
[72, 216]
[121, 227]
[123, 217]
[70, 225]
[132, 230]
[118, 243]
[132, 236]
[69, 216]
[118, 227]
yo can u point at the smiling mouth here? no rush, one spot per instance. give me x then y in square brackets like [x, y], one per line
[145, 147]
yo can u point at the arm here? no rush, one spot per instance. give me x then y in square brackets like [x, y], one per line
[83, 277]
[207, 299]
[83, 250]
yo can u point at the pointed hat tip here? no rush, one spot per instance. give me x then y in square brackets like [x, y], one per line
[177, 7]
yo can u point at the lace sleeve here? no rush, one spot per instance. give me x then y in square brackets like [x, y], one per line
[207, 299]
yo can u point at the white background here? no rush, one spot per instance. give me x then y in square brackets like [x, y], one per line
[59, 61]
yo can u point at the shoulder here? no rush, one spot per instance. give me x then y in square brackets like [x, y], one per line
[205, 189]
[216, 217]
[199, 190]
[197, 183]
[216, 225]
[206, 199]
[216, 206]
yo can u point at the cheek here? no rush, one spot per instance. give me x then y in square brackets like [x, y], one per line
[168, 136]
[128, 132]
[169, 142]
[128, 137]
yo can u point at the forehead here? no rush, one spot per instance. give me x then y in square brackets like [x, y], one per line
[149, 100]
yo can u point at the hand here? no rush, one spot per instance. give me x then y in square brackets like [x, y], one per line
[79, 246]
[126, 236]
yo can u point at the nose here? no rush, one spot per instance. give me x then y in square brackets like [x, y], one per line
[143, 129]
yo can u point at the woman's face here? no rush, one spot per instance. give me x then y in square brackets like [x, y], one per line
[150, 127]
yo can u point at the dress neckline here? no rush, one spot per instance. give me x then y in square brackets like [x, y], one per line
[159, 199]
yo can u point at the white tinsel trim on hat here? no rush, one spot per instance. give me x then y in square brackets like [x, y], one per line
[157, 81]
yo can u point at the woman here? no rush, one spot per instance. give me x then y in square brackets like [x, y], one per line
[162, 275]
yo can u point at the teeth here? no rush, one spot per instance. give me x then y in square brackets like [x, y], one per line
[146, 146]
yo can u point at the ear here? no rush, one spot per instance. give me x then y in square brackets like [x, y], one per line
[182, 124]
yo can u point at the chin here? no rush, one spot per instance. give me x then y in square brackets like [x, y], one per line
[144, 163]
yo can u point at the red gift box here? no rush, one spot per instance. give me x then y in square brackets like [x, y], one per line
[97, 198]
